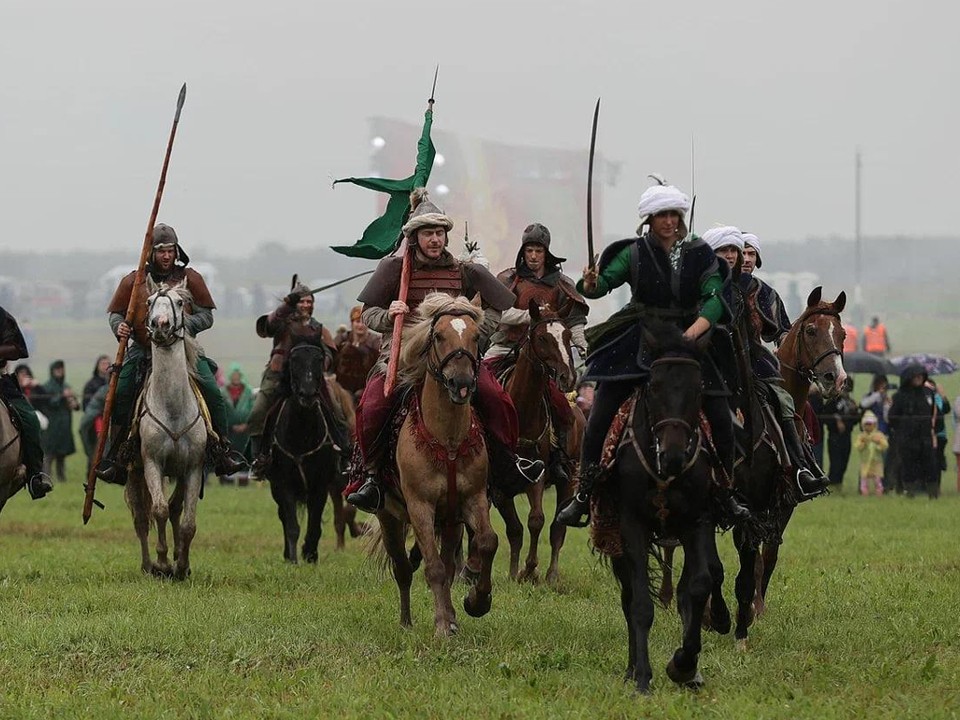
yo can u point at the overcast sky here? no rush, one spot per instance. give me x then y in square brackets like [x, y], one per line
[778, 96]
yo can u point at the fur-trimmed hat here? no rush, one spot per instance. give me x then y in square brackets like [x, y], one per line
[423, 213]
[537, 234]
[165, 236]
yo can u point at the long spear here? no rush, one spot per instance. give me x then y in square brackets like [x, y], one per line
[138, 280]
[394, 362]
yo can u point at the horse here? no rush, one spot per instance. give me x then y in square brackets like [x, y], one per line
[442, 461]
[173, 437]
[543, 355]
[12, 472]
[344, 515]
[659, 488]
[305, 461]
[811, 352]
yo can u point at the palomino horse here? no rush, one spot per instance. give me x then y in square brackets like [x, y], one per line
[810, 353]
[305, 461]
[173, 438]
[442, 459]
[12, 471]
[543, 355]
[660, 487]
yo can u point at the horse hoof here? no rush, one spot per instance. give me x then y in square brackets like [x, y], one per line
[477, 605]
[181, 574]
[161, 571]
[741, 645]
[687, 678]
[311, 558]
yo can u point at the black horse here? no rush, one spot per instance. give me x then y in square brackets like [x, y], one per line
[660, 488]
[304, 459]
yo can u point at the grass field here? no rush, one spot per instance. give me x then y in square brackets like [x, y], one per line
[863, 623]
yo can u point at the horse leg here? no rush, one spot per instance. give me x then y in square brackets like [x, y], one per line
[422, 519]
[339, 520]
[535, 522]
[558, 533]
[316, 502]
[188, 520]
[287, 512]
[159, 511]
[716, 615]
[745, 586]
[692, 593]
[476, 514]
[514, 528]
[666, 581]
[350, 516]
[136, 499]
[771, 553]
[176, 509]
[393, 534]
[621, 569]
[636, 548]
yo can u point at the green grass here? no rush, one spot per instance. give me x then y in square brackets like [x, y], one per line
[862, 623]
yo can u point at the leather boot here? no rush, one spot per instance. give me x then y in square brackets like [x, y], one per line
[39, 485]
[260, 458]
[732, 511]
[576, 512]
[810, 479]
[225, 463]
[369, 496]
[558, 460]
[108, 469]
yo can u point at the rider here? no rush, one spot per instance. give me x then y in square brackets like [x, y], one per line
[358, 351]
[674, 277]
[291, 324]
[767, 321]
[167, 264]
[433, 268]
[536, 276]
[14, 347]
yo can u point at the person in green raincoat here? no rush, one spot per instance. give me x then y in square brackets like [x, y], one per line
[59, 407]
[239, 401]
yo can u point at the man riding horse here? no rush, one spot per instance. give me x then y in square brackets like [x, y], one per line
[674, 277]
[167, 264]
[14, 347]
[291, 324]
[536, 276]
[765, 321]
[433, 268]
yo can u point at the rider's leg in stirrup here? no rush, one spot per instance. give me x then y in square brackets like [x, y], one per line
[607, 399]
[810, 479]
[217, 405]
[109, 470]
[38, 484]
[717, 410]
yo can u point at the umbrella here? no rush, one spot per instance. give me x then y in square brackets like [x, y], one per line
[864, 362]
[933, 364]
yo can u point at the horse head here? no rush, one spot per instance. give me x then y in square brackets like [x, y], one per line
[672, 396]
[816, 344]
[306, 366]
[549, 341]
[166, 310]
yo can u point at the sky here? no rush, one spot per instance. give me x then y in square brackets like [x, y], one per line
[775, 97]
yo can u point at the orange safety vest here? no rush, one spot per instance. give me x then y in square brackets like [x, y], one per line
[850, 339]
[875, 338]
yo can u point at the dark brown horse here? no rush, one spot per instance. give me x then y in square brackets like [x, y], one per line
[660, 487]
[810, 353]
[544, 355]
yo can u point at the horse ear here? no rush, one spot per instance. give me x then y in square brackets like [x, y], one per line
[477, 301]
[814, 298]
[841, 302]
[534, 307]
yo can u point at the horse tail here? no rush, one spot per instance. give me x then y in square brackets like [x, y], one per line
[373, 547]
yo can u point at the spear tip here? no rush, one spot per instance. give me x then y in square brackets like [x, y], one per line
[181, 99]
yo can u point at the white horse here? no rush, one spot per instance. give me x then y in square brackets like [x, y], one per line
[173, 438]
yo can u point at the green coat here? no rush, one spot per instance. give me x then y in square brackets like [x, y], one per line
[238, 414]
[58, 439]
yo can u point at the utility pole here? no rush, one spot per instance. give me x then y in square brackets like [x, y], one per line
[858, 252]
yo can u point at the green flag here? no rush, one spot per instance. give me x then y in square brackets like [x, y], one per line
[381, 235]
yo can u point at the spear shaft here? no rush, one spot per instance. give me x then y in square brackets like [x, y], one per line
[138, 281]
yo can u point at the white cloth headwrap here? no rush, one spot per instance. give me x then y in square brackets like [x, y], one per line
[660, 198]
[720, 237]
[754, 242]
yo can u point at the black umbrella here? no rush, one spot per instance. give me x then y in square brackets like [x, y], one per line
[933, 364]
[864, 362]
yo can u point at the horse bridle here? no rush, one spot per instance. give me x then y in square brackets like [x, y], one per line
[806, 373]
[436, 369]
[693, 445]
[551, 372]
[177, 329]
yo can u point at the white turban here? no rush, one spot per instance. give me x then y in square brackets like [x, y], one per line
[719, 237]
[754, 242]
[661, 198]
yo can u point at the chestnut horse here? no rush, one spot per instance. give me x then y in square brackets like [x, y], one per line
[543, 355]
[442, 461]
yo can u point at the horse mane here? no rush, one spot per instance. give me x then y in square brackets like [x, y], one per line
[416, 338]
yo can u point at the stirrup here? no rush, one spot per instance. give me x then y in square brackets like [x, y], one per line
[368, 497]
[822, 484]
[573, 511]
[111, 471]
[39, 485]
[532, 470]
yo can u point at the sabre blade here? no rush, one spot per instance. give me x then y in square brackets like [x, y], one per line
[593, 149]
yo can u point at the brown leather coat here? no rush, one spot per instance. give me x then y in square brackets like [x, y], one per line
[288, 329]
